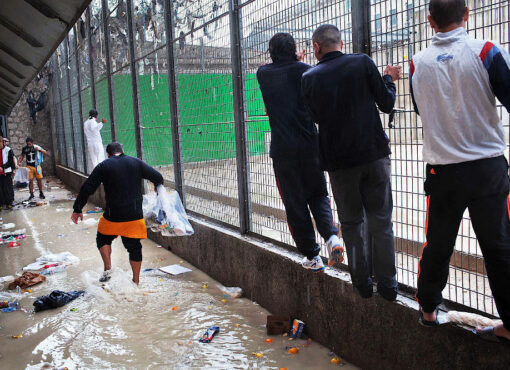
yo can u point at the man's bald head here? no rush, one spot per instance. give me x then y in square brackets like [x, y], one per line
[327, 36]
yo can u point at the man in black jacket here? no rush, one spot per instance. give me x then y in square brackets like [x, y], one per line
[122, 178]
[342, 93]
[7, 166]
[295, 154]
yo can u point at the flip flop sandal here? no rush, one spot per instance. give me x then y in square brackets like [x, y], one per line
[429, 324]
[489, 335]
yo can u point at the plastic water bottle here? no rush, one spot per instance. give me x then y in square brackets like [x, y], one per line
[53, 270]
[7, 304]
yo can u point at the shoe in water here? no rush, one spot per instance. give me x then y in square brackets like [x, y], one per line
[32, 196]
[315, 264]
[106, 276]
[335, 250]
[41, 195]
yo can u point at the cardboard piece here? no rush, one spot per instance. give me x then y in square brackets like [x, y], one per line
[174, 269]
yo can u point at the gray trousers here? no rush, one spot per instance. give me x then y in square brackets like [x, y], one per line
[363, 194]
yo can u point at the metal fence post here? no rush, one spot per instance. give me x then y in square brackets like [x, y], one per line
[240, 119]
[174, 105]
[134, 81]
[61, 111]
[108, 62]
[66, 52]
[91, 59]
[78, 85]
[360, 14]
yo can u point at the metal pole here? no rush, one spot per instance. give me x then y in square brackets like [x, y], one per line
[53, 113]
[91, 59]
[109, 78]
[174, 104]
[78, 84]
[360, 14]
[62, 114]
[134, 81]
[66, 52]
[240, 119]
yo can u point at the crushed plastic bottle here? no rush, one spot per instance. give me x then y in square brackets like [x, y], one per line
[53, 270]
[9, 306]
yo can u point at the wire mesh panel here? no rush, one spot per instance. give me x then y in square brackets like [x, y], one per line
[155, 113]
[206, 116]
[261, 20]
[399, 30]
[75, 104]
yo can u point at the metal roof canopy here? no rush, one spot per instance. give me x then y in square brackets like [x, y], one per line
[30, 31]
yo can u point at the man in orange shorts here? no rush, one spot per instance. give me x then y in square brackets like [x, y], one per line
[34, 155]
[122, 177]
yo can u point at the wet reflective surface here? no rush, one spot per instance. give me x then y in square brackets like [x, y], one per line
[155, 325]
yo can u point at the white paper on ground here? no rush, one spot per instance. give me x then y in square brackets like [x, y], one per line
[175, 269]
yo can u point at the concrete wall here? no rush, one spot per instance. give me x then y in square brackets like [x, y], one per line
[21, 126]
[372, 334]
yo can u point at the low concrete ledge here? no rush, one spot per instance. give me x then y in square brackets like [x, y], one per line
[372, 334]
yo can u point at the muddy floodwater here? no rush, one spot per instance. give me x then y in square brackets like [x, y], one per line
[155, 325]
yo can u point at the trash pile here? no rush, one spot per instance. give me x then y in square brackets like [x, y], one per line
[29, 204]
[52, 263]
[11, 238]
[165, 213]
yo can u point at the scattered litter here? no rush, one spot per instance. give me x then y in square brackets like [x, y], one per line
[56, 299]
[269, 340]
[164, 212]
[209, 334]
[205, 285]
[181, 261]
[9, 306]
[175, 269]
[6, 279]
[26, 280]
[90, 221]
[8, 226]
[223, 301]
[238, 325]
[148, 269]
[61, 235]
[159, 246]
[335, 361]
[175, 308]
[9, 236]
[297, 329]
[17, 336]
[293, 350]
[13, 244]
[24, 291]
[96, 210]
[471, 319]
[277, 325]
[73, 309]
[258, 354]
[53, 269]
[232, 292]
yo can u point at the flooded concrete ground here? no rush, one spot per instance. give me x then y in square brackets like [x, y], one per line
[155, 325]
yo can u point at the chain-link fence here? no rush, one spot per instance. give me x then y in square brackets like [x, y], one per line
[176, 82]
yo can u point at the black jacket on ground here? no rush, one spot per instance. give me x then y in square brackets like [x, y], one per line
[122, 179]
[341, 93]
[293, 132]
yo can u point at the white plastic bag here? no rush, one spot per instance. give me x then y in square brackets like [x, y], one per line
[166, 211]
[21, 175]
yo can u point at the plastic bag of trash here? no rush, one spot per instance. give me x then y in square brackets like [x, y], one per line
[64, 257]
[167, 212]
[56, 299]
[21, 176]
[232, 292]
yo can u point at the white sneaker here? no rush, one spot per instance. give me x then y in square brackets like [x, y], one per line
[315, 264]
[107, 275]
[335, 251]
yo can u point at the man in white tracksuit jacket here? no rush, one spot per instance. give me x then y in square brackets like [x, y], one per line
[454, 84]
[92, 129]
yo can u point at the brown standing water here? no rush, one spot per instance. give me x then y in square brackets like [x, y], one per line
[129, 326]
